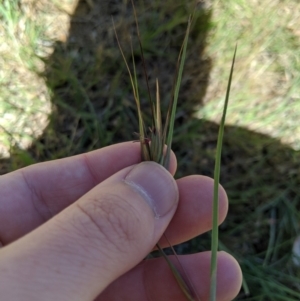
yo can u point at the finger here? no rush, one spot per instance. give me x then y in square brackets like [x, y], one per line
[153, 280]
[32, 195]
[194, 213]
[79, 252]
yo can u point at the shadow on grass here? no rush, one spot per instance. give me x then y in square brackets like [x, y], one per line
[93, 107]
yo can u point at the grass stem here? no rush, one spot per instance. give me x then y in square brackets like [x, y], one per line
[215, 230]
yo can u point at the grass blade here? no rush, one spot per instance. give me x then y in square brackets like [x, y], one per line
[215, 234]
[134, 85]
[169, 126]
[182, 284]
[144, 64]
[152, 146]
[156, 132]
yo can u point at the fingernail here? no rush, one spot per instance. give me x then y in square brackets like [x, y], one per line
[156, 185]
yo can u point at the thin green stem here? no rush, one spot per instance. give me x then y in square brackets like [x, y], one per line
[215, 230]
[169, 127]
[184, 288]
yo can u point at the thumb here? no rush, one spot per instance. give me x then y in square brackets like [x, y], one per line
[91, 243]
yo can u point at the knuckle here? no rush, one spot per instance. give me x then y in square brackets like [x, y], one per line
[111, 220]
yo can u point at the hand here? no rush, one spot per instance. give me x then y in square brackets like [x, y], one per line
[78, 229]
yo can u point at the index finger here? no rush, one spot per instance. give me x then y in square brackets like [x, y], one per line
[32, 195]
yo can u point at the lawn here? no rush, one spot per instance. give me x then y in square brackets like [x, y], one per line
[64, 90]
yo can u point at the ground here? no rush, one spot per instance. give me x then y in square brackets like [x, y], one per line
[65, 91]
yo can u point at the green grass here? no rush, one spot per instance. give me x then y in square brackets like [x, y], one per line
[24, 101]
[267, 76]
[82, 76]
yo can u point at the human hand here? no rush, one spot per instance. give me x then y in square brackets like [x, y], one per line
[78, 229]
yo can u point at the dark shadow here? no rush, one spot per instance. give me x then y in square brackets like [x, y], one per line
[93, 107]
[92, 97]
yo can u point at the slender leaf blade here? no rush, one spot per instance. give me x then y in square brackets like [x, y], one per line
[215, 230]
[169, 127]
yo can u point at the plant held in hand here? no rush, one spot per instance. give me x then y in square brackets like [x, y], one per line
[156, 142]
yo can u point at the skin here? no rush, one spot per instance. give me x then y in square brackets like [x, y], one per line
[66, 235]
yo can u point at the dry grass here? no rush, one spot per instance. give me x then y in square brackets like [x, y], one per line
[85, 83]
[266, 82]
[26, 36]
